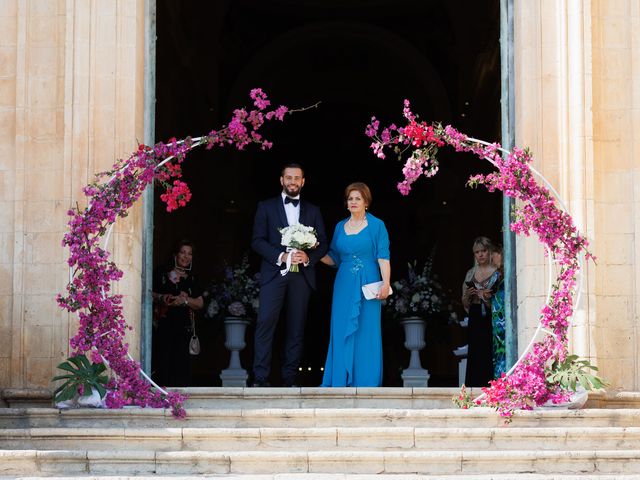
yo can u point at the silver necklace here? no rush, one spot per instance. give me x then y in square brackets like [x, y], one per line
[353, 225]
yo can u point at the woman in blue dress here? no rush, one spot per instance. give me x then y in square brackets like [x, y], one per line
[360, 250]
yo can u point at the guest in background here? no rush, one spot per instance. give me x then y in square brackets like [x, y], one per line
[360, 250]
[477, 291]
[176, 297]
[497, 316]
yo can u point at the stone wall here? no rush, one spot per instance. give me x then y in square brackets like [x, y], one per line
[71, 102]
[578, 108]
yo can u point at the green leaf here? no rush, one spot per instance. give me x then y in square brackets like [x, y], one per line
[596, 382]
[76, 361]
[87, 389]
[84, 361]
[584, 382]
[81, 372]
[66, 366]
[66, 394]
[101, 390]
[59, 389]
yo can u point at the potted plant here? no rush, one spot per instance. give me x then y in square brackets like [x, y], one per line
[235, 299]
[573, 375]
[85, 384]
[417, 297]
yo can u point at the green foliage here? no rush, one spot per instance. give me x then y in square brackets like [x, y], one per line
[83, 376]
[573, 372]
[463, 399]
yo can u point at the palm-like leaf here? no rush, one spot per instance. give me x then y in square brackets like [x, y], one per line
[573, 372]
[81, 372]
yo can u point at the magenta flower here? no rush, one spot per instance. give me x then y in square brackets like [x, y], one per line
[527, 385]
[102, 326]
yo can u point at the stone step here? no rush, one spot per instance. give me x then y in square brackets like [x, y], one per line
[310, 417]
[351, 476]
[316, 397]
[323, 438]
[361, 397]
[149, 462]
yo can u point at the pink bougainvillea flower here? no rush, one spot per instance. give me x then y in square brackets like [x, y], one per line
[102, 326]
[537, 212]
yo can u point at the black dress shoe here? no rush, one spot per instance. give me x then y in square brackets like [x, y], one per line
[260, 383]
[290, 385]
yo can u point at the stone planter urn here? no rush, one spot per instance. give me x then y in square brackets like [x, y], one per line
[414, 375]
[234, 375]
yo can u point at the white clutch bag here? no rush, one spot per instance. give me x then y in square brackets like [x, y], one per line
[370, 290]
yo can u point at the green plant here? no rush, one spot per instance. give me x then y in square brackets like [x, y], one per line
[83, 376]
[572, 372]
[463, 399]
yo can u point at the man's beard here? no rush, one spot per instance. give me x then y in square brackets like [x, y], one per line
[292, 193]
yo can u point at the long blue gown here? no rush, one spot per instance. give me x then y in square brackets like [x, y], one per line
[354, 358]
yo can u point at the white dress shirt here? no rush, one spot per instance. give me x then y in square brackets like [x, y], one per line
[293, 217]
[293, 213]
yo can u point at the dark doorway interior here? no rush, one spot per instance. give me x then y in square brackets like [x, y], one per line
[360, 59]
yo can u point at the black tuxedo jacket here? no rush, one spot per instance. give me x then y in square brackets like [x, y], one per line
[270, 216]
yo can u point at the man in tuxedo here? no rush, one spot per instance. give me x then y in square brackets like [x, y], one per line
[291, 290]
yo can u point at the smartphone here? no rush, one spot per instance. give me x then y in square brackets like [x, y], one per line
[470, 284]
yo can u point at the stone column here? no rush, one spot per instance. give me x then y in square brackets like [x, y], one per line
[615, 40]
[71, 103]
[576, 105]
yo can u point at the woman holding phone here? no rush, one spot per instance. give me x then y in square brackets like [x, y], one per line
[477, 291]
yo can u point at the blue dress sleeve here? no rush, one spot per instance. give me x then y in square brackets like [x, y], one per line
[382, 242]
[333, 249]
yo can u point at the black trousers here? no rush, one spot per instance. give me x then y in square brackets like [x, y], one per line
[479, 359]
[291, 292]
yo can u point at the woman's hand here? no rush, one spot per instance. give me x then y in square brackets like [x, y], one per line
[181, 300]
[327, 260]
[470, 292]
[168, 299]
[485, 294]
[384, 291]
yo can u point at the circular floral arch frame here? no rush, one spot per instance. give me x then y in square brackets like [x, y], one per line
[527, 383]
[102, 326]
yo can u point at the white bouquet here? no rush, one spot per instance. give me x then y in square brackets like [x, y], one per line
[297, 237]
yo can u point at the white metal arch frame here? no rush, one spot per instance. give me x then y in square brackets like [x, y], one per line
[550, 261]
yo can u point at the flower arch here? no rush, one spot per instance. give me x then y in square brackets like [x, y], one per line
[102, 326]
[527, 383]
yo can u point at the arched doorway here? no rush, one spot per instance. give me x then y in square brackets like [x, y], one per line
[444, 56]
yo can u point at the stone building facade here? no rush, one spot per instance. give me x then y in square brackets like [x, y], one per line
[72, 100]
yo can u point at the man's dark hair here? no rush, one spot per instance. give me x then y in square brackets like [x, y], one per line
[292, 165]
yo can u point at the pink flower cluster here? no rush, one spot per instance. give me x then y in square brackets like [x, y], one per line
[526, 386]
[243, 127]
[102, 325]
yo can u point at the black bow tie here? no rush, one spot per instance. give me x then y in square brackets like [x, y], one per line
[295, 201]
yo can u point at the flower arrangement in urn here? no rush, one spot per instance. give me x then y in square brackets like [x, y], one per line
[419, 294]
[236, 295]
